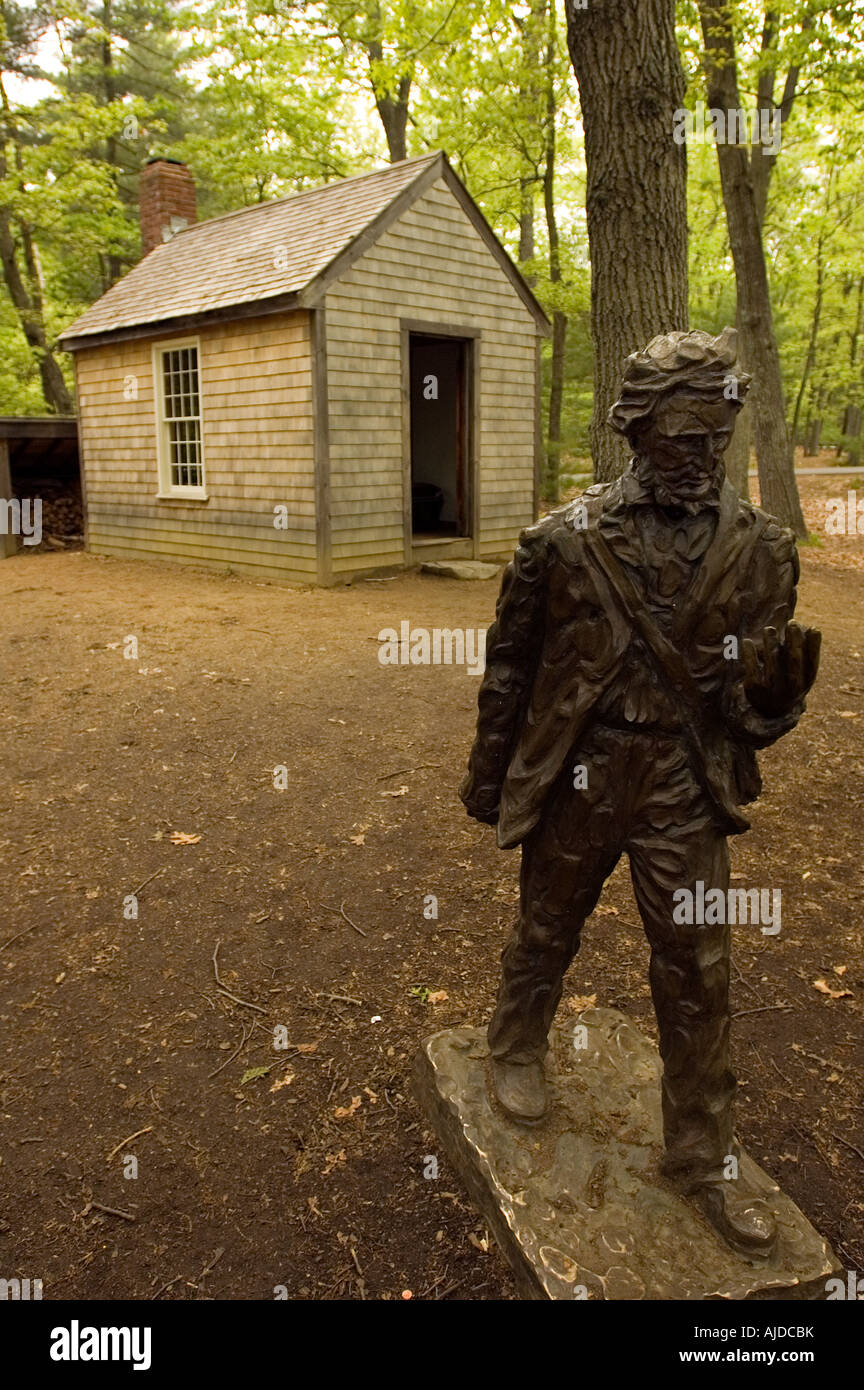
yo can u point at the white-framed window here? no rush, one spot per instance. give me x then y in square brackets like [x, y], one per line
[177, 378]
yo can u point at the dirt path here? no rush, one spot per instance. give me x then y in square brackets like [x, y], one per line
[311, 1174]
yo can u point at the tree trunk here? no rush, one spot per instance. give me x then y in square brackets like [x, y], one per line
[625, 57]
[31, 318]
[738, 453]
[812, 436]
[392, 106]
[530, 106]
[774, 454]
[559, 318]
[858, 323]
[811, 344]
[25, 287]
[761, 169]
[777, 485]
[112, 265]
[394, 118]
[526, 223]
[556, 399]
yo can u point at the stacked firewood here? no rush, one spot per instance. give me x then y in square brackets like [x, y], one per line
[62, 512]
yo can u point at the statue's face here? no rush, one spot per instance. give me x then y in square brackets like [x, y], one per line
[684, 443]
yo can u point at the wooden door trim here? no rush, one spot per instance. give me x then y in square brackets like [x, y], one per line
[471, 337]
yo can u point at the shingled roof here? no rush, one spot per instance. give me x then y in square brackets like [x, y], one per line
[271, 256]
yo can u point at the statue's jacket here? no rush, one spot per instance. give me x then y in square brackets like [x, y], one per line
[561, 638]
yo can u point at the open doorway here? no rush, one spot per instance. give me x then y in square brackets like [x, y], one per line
[440, 504]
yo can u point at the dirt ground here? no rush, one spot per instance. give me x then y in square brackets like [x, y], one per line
[153, 1037]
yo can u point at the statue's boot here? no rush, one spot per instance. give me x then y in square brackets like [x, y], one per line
[741, 1216]
[521, 1089]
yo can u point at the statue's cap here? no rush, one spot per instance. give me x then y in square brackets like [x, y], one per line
[693, 361]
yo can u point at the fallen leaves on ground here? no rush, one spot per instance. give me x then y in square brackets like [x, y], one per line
[578, 1003]
[254, 1073]
[824, 988]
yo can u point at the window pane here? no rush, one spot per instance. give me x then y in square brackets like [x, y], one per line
[181, 390]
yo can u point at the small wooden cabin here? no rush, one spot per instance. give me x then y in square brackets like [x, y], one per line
[314, 387]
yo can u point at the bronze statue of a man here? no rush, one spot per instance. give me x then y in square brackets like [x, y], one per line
[643, 649]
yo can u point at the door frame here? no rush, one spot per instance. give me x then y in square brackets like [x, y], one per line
[471, 337]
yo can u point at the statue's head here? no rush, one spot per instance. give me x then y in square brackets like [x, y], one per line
[679, 399]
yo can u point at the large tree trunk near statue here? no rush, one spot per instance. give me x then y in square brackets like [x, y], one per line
[625, 57]
[559, 318]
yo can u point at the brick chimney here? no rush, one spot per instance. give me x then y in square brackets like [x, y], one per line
[166, 201]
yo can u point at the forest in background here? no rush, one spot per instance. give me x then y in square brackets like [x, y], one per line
[264, 99]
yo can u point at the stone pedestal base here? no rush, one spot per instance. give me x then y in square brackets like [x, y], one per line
[577, 1205]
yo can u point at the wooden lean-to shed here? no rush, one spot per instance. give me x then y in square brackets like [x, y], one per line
[314, 387]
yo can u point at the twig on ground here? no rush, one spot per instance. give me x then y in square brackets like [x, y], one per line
[225, 990]
[18, 936]
[343, 1277]
[165, 1286]
[211, 1263]
[846, 1144]
[136, 891]
[449, 1289]
[341, 912]
[109, 1211]
[742, 978]
[350, 923]
[781, 1074]
[464, 931]
[128, 1140]
[815, 1142]
[401, 771]
[765, 1009]
[234, 1054]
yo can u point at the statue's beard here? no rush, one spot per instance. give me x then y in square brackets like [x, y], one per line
[682, 485]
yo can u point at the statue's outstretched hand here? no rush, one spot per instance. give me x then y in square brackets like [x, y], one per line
[777, 675]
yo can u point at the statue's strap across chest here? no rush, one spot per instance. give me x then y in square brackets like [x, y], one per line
[668, 648]
[699, 578]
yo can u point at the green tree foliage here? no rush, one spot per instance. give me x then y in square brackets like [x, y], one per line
[799, 66]
[265, 97]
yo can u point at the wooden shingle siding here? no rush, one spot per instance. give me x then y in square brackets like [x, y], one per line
[429, 265]
[305, 406]
[256, 406]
